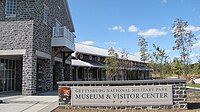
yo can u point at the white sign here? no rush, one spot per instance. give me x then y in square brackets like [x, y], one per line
[121, 95]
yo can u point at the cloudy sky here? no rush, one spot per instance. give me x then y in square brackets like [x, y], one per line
[119, 23]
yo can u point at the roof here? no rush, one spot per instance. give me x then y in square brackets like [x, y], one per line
[96, 64]
[93, 64]
[69, 19]
[91, 50]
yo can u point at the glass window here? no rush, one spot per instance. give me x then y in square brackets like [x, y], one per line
[6, 63]
[10, 9]
[81, 56]
[57, 28]
[1, 85]
[10, 64]
[7, 75]
[1, 69]
[13, 74]
[13, 66]
[13, 84]
[9, 84]
[90, 57]
[5, 85]
[45, 14]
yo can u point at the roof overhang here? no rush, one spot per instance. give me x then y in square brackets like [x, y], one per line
[90, 64]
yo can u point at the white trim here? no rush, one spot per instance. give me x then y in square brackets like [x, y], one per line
[13, 52]
[43, 55]
[58, 59]
[67, 62]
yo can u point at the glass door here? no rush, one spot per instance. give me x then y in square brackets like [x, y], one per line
[1, 75]
[7, 75]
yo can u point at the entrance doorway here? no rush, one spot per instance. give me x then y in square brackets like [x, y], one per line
[7, 75]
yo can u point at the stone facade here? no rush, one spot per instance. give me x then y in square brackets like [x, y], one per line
[58, 73]
[44, 75]
[67, 73]
[27, 31]
[42, 32]
[29, 82]
[16, 35]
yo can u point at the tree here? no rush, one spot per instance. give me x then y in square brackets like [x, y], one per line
[176, 67]
[143, 49]
[124, 63]
[167, 69]
[196, 69]
[159, 57]
[184, 41]
[112, 64]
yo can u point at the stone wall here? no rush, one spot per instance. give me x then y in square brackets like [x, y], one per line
[58, 73]
[29, 73]
[29, 21]
[45, 75]
[178, 88]
[43, 32]
[68, 73]
[19, 35]
[27, 31]
[16, 35]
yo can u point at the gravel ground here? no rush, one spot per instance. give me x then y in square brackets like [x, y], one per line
[193, 106]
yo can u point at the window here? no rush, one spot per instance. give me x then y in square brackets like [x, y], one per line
[90, 57]
[45, 14]
[98, 58]
[57, 28]
[10, 9]
[81, 56]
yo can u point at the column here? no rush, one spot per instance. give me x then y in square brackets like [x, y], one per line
[29, 73]
[76, 73]
[45, 75]
[97, 74]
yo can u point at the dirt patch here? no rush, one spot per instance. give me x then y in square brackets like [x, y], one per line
[112, 110]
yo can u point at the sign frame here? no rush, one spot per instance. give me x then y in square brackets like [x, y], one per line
[121, 95]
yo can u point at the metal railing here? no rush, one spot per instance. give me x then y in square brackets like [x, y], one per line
[63, 32]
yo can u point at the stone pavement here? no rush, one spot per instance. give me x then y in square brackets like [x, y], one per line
[44, 102]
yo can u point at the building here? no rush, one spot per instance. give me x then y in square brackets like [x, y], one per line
[36, 43]
[88, 65]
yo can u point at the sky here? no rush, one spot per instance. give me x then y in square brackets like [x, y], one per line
[119, 23]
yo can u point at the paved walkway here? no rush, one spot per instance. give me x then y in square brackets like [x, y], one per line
[44, 102]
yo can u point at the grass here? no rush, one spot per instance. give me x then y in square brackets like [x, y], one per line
[194, 85]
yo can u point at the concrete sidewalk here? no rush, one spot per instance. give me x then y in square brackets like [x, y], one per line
[44, 102]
